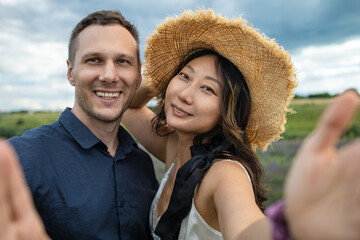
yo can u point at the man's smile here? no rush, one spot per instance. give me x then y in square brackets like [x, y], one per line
[107, 95]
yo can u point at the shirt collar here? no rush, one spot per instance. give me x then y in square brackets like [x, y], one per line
[87, 139]
[78, 130]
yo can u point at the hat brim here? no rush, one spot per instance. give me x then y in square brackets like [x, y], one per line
[266, 66]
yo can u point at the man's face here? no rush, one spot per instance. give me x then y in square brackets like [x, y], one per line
[105, 72]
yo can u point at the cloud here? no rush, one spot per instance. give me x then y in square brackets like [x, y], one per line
[31, 60]
[33, 74]
[329, 68]
[37, 96]
[321, 35]
[296, 24]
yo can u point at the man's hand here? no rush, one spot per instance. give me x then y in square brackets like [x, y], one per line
[18, 217]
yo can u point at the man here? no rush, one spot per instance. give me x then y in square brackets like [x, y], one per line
[88, 178]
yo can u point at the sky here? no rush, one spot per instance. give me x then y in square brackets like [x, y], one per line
[322, 36]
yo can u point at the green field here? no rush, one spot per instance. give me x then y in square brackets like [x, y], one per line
[297, 127]
[14, 124]
[308, 112]
[276, 160]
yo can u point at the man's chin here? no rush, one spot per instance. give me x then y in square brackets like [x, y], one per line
[106, 118]
[105, 115]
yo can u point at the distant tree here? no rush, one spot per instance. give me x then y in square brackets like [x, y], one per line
[297, 96]
[320, 95]
[21, 111]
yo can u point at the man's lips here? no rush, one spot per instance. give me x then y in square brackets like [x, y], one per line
[107, 95]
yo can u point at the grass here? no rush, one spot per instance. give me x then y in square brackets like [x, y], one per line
[15, 124]
[276, 160]
[298, 125]
[308, 112]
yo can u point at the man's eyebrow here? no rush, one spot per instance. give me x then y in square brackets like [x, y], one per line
[99, 54]
[127, 56]
[90, 54]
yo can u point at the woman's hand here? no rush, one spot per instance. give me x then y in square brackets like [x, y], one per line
[18, 217]
[322, 191]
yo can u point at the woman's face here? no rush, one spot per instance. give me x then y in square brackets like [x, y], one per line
[192, 102]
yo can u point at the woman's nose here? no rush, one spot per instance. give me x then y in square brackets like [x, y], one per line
[186, 94]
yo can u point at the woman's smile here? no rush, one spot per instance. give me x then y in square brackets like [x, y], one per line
[180, 112]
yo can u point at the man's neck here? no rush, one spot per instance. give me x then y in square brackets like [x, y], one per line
[105, 131]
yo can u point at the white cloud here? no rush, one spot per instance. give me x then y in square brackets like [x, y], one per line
[54, 96]
[12, 2]
[28, 58]
[33, 74]
[330, 68]
[39, 5]
[34, 35]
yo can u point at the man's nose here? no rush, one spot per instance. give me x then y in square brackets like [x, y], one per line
[109, 72]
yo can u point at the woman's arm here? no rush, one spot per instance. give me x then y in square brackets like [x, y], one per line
[142, 97]
[231, 196]
[322, 190]
[137, 119]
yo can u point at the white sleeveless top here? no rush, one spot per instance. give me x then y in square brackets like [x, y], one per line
[193, 227]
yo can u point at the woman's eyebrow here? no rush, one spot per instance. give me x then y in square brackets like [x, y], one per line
[206, 77]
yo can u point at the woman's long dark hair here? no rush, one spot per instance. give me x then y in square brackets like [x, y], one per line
[235, 107]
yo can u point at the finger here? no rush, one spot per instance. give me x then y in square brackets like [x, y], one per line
[335, 120]
[6, 219]
[20, 196]
[22, 220]
[18, 217]
[5, 192]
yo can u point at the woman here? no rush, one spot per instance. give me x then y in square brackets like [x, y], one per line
[223, 90]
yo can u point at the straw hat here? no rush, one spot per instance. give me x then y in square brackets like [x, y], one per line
[266, 66]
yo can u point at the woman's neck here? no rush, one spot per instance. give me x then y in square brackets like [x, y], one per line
[184, 153]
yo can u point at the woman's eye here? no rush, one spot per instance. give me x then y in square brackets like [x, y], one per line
[208, 89]
[184, 75]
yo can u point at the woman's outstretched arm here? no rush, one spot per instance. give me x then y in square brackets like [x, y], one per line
[322, 190]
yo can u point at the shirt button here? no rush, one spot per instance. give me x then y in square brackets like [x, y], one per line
[120, 203]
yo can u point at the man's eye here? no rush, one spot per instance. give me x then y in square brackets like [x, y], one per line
[95, 60]
[123, 61]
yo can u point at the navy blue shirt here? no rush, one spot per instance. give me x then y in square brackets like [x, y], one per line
[79, 189]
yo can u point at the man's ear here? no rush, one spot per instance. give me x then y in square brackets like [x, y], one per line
[140, 78]
[69, 73]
